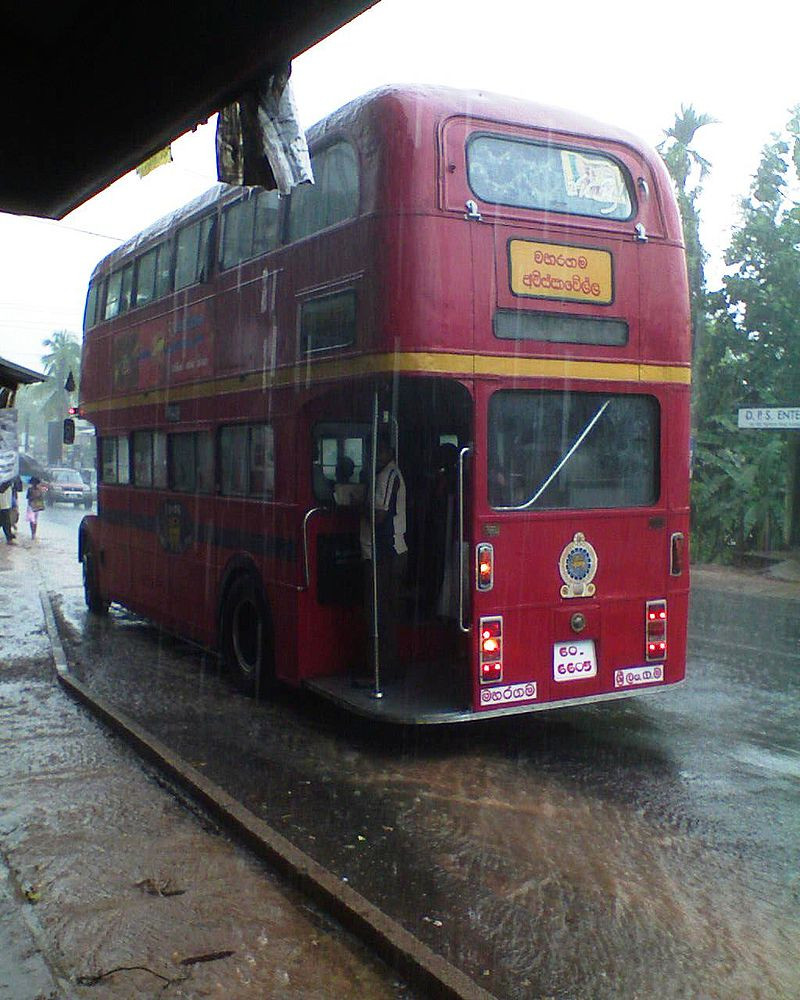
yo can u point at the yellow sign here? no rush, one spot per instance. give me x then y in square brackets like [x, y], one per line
[551, 271]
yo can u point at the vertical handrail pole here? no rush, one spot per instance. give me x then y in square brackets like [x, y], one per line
[376, 664]
[461, 539]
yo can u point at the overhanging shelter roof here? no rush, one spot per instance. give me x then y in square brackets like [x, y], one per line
[92, 89]
[12, 375]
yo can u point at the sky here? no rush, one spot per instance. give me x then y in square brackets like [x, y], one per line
[621, 62]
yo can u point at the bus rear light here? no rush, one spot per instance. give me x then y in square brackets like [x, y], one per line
[485, 566]
[491, 650]
[656, 630]
[676, 554]
[491, 672]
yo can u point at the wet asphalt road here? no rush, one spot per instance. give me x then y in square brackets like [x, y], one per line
[638, 849]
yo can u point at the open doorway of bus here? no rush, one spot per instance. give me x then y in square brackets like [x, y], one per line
[428, 421]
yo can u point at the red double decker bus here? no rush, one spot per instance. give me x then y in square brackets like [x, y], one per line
[499, 287]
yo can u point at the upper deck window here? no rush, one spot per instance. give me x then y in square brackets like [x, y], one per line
[153, 274]
[331, 199]
[89, 316]
[328, 322]
[524, 174]
[249, 227]
[192, 256]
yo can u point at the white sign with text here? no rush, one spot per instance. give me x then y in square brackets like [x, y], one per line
[776, 418]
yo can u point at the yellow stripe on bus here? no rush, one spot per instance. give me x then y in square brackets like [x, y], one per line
[405, 363]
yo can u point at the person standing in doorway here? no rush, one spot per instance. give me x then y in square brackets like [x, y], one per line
[390, 557]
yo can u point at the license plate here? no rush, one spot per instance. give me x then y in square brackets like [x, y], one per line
[573, 661]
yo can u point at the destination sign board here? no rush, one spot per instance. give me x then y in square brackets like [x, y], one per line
[552, 271]
[775, 418]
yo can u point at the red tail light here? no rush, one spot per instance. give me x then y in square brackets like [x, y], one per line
[491, 650]
[485, 566]
[655, 630]
[676, 554]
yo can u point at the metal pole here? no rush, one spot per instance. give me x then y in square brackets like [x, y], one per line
[461, 540]
[376, 665]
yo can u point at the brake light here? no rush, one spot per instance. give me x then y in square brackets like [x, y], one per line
[491, 650]
[676, 554]
[655, 630]
[485, 566]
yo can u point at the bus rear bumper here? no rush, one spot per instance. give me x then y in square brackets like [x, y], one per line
[404, 704]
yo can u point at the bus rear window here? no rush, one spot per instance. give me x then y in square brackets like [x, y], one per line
[572, 450]
[522, 174]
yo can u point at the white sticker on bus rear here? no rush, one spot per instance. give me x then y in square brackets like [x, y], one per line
[632, 676]
[506, 695]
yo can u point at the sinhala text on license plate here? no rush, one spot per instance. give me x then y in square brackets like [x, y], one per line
[573, 661]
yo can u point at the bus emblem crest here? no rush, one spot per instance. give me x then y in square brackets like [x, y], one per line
[173, 527]
[578, 565]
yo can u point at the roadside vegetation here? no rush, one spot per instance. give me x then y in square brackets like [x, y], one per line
[745, 349]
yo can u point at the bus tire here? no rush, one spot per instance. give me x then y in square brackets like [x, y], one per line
[247, 636]
[95, 601]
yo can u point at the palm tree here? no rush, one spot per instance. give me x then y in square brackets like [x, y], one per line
[688, 170]
[676, 148]
[63, 357]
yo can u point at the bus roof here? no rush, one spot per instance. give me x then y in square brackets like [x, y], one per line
[424, 106]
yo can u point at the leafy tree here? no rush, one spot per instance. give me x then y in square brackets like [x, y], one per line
[745, 489]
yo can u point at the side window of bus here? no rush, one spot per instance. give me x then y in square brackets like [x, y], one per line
[249, 228]
[192, 255]
[328, 322]
[332, 198]
[90, 311]
[113, 296]
[146, 277]
[126, 289]
[191, 462]
[114, 460]
[149, 459]
[164, 269]
[340, 452]
[247, 457]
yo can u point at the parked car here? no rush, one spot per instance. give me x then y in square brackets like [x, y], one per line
[66, 486]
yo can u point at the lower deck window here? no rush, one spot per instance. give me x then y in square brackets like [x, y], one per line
[247, 460]
[551, 450]
[191, 462]
[340, 460]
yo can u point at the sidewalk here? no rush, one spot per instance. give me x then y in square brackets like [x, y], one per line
[109, 885]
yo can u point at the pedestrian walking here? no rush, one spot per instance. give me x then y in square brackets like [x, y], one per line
[6, 502]
[35, 498]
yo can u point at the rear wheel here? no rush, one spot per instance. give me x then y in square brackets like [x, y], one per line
[247, 636]
[95, 601]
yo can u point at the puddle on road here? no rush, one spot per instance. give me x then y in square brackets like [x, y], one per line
[579, 890]
[566, 857]
[123, 875]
